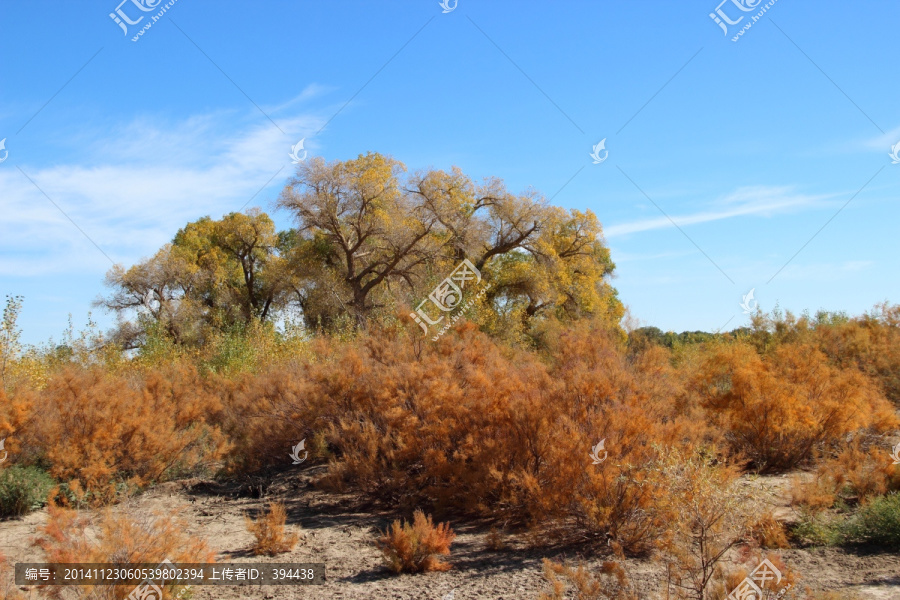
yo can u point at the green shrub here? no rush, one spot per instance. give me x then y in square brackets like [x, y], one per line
[877, 522]
[818, 529]
[23, 489]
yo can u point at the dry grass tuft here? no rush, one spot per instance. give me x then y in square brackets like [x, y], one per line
[612, 582]
[769, 533]
[414, 548]
[814, 494]
[495, 540]
[271, 535]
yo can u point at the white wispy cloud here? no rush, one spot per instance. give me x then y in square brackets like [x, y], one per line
[135, 185]
[883, 141]
[754, 200]
[310, 92]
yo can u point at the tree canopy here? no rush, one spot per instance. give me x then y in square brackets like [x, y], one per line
[371, 240]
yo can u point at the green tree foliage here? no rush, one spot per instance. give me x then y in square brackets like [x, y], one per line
[643, 337]
[214, 274]
[370, 242]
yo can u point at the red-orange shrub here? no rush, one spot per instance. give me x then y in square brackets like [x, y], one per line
[857, 472]
[814, 492]
[103, 429]
[780, 409]
[118, 536]
[14, 414]
[709, 513]
[415, 547]
[768, 532]
[469, 425]
[870, 343]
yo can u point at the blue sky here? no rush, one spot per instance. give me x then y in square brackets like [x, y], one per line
[749, 147]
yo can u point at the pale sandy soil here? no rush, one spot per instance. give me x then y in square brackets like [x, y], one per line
[336, 533]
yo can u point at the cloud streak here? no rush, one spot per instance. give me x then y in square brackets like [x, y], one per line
[746, 201]
[133, 188]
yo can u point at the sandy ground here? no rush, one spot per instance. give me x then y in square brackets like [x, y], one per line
[336, 533]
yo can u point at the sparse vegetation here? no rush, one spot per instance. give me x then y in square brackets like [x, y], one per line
[272, 537]
[769, 533]
[610, 582]
[117, 536]
[708, 514]
[818, 529]
[750, 560]
[495, 540]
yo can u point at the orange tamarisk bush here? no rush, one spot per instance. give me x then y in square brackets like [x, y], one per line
[269, 531]
[103, 429]
[779, 410]
[120, 535]
[415, 547]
